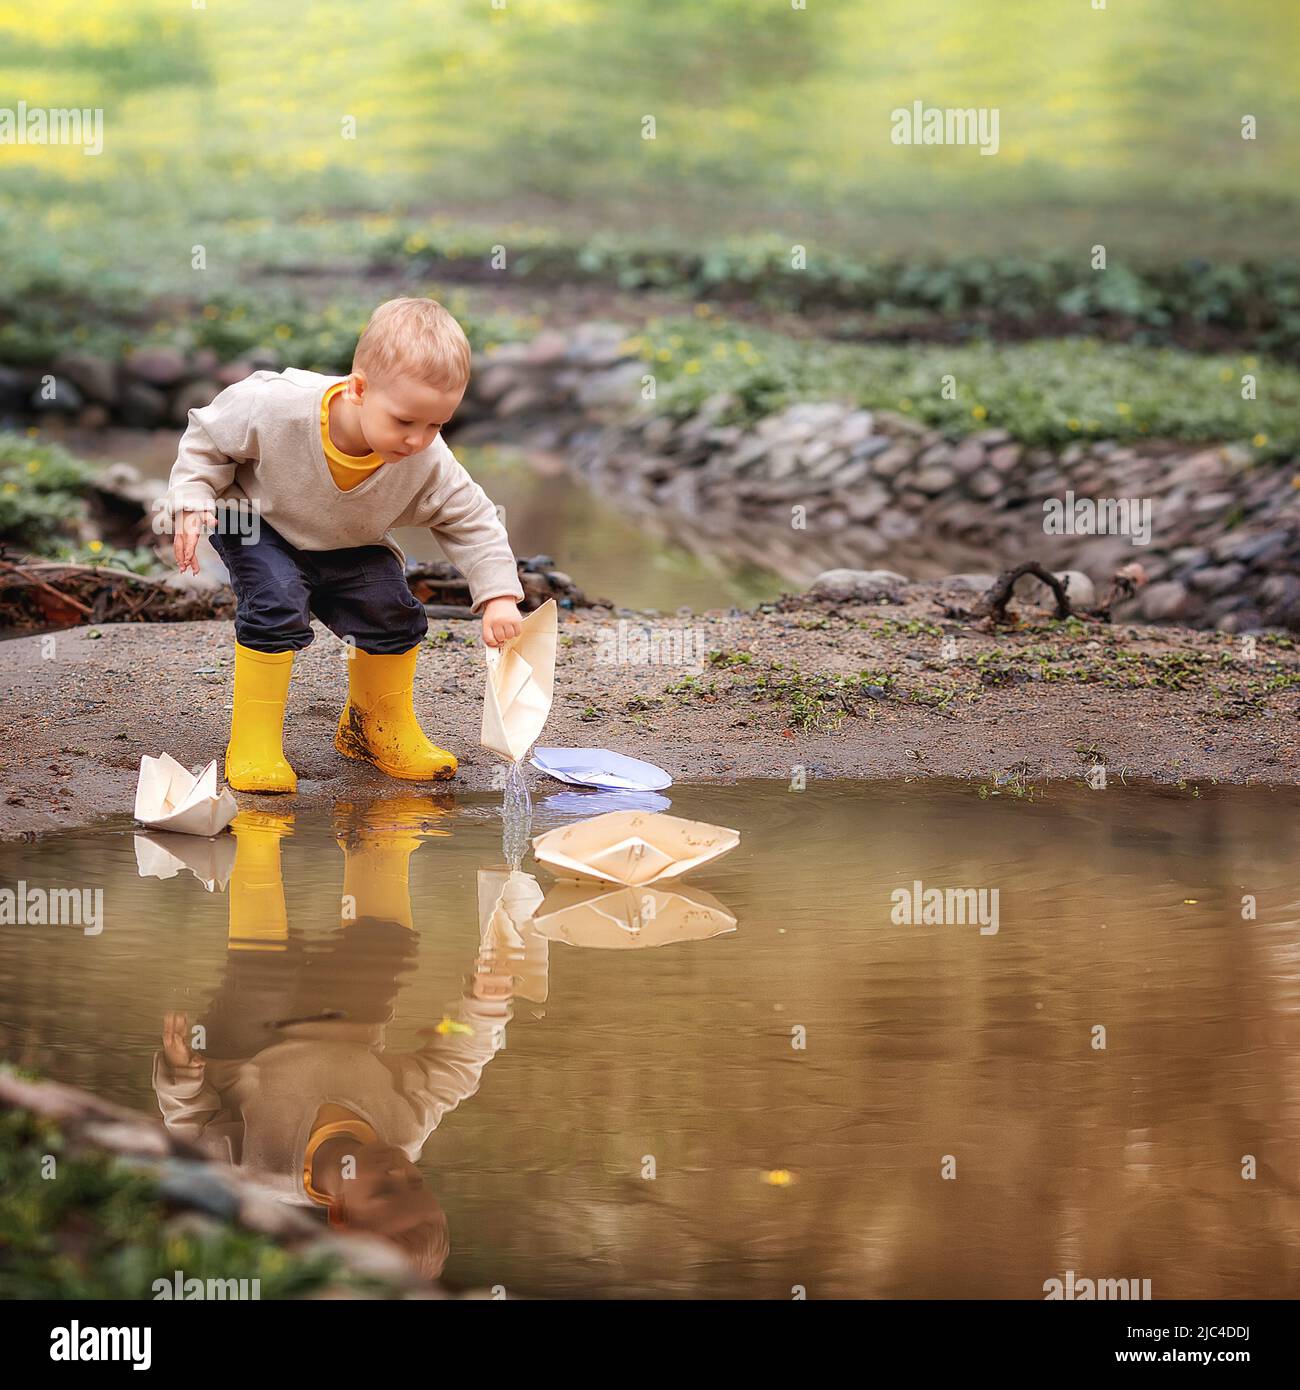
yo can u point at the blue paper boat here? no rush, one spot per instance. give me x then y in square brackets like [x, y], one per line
[598, 767]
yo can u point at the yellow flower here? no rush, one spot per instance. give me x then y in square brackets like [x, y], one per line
[210, 311]
[1072, 424]
[11, 488]
[282, 330]
[1250, 363]
[1226, 374]
[1259, 440]
[692, 366]
[1123, 408]
[905, 404]
[702, 311]
[978, 412]
[33, 465]
[96, 546]
[664, 354]
[744, 345]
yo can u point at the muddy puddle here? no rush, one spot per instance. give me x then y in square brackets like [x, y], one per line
[903, 1041]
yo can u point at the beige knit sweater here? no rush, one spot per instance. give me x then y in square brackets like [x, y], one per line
[260, 440]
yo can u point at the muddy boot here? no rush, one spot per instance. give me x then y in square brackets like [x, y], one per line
[255, 760]
[378, 724]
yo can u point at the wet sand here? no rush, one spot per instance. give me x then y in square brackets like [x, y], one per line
[1041, 702]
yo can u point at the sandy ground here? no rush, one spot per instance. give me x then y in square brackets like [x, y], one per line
[1043, 701]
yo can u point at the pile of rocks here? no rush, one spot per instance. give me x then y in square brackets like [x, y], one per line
[146, 389]
[824, 485]
[820, 485]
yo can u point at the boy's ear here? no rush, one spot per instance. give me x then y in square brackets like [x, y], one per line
[356, 387]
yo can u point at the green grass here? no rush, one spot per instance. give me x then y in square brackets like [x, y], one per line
[99, 1229]
[1051, 392]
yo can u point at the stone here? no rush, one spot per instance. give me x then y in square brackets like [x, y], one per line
[969, 583]
[141, 405]
[867, 501]
[231, 372]
[521, 399]
[617, 386]
[63, 398]
[549, 347]
[94, 376]
[896, 525]
[1005, 457]
[13, 389]
[1079, 589]
[856, 428]
[193, 396]
[847, 585]
[933, 480]
[158, 366]
[265, 359]
[892, 462]
[1217, 579]
[985, 484]
[1259, 550]
[1164, 602]
[869, 448]
[967, 457]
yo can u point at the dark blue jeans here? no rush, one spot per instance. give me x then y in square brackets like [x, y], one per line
[359, 593]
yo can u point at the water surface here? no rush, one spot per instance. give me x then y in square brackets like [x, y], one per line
[643, 1122]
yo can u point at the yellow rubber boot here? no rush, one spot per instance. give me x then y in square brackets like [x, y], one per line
[258, 918]
[378, 723]
[255, 760]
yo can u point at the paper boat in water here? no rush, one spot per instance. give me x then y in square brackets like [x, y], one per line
[632, 847]
[520, 682]
[629, 919]
[170, 797]
[163, 855]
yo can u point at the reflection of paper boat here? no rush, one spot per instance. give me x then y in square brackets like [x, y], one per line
[567, 805]
[632, 847]
[598, 767]
[507, 902]
[162, 855]
[520, 680]
[171, 797]
[630, 918]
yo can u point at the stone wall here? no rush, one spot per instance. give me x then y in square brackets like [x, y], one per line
[821, 485]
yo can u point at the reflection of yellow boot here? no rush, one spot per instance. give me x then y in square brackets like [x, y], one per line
[255, 759]
[377, 848]
[258, 919]
[379, 725]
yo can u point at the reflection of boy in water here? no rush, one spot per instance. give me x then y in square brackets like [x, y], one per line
[294, 1084]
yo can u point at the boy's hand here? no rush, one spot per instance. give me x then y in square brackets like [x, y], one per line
[501, 621]
[185, 543]
[176, 1045]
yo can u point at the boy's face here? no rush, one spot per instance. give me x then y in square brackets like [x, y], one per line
[401, 416]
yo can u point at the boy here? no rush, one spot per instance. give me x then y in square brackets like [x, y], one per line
[330, 465]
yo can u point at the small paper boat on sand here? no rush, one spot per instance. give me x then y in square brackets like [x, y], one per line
[170, 797]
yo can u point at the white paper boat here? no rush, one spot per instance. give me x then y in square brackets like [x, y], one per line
[598, 767]
[520, 683]
[164, 855]
[171, 797]
[632, 847]
[629, 919]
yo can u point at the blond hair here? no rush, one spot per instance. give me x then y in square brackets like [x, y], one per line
[414, 337]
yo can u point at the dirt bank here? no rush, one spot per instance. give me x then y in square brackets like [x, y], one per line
[881, 689]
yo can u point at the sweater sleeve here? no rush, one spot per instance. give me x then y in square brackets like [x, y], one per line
[465, 523]
[448, 1069]
[218, 438]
